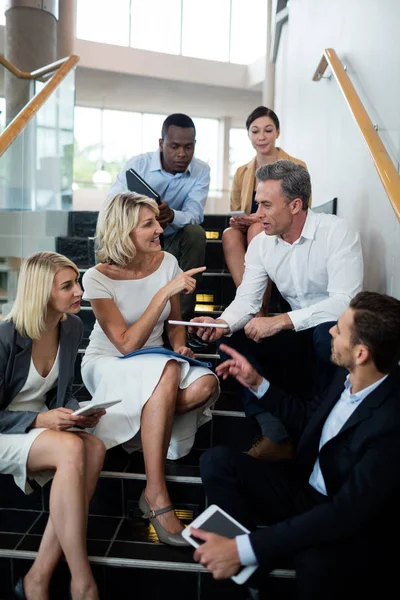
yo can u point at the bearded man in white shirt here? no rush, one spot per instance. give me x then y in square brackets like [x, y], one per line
[316, 263]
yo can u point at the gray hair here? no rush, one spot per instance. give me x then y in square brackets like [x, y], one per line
[295, 179]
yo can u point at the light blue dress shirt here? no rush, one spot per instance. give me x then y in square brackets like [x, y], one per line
[186, 193]
[338, 416]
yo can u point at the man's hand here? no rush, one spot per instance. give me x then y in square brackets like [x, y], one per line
[239, 368]
[218, 554]
[262, 327]
[166, 214]
[208, 334]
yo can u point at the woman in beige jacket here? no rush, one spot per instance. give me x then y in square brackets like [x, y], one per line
[263, 130]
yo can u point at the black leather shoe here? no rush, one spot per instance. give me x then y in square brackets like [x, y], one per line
[19, 592]
[196, 344]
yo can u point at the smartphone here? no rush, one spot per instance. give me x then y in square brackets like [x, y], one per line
[216, 520]
[237, 213]
[195, 324]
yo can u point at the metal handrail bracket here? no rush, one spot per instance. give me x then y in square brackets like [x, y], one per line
[63, 68]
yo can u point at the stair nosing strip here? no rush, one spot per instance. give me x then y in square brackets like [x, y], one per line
[228, 413]
[140, 562]
[142, 477]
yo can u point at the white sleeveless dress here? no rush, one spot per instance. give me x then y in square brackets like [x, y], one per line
[15, 447]
[133, 379]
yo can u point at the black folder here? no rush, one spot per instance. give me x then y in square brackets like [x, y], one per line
[140, 186]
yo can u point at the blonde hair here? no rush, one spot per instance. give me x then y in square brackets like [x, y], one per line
[34, 290]
[117, 219]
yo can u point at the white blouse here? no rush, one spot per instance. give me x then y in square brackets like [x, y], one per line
[33, 394]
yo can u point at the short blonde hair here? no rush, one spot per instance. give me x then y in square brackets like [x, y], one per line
[35, 283]
[117, 219]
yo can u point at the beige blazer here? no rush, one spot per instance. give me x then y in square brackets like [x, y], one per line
[244, 182]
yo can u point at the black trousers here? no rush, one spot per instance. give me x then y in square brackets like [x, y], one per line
[256, 492]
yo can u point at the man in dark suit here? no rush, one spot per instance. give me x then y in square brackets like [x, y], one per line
[333, 508]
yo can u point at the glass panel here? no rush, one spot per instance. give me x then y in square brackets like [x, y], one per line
[205, 29]
[52, 138]
[87, 154]
[2, 9]
[156, 25]
[151, 131]
[117, 148]
[248, 31]
[240, 150]
[103, 21]
[207, 144]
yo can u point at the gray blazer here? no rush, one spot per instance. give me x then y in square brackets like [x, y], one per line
[15, 360]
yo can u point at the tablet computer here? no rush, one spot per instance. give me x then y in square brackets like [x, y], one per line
[216, 520]
[199, 325]
[92, 407]
[137, 184]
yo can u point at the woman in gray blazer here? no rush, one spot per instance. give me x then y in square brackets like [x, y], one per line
[39, 341]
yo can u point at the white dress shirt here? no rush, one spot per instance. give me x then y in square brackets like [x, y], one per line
[338, 416]
[318, 274]
[185, 193]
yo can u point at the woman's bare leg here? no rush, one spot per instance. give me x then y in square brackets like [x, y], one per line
[196, 394]
[234, 246]
[156, 428]
[78, 460]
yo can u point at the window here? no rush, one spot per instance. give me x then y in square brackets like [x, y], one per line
[240, 150]
[248, 31]
[207, 144]
[151, 131]
[87, 134]
[156, 25]
[2, 9]
[121, 139]
[103, 21]
[205, 29]
[222, 30]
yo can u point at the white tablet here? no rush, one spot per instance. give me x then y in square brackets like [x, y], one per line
[198, 325]
[93, 407]
[216, 520]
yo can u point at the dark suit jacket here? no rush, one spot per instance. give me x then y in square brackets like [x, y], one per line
[361, 467]
[15, 359]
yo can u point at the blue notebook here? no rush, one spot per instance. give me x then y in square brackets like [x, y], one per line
[162, 350]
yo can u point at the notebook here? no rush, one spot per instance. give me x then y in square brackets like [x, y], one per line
[162, 350]
[140, 186]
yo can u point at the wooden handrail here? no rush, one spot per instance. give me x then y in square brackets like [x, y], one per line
[35, 74]
[383, 163]
[31, 108]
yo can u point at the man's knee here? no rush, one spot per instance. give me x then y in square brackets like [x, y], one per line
[215, 461]
[194, 232]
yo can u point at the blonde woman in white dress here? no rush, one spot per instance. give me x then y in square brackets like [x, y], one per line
[134, 290]
[39, 341]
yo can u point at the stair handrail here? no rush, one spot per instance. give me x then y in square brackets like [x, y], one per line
[61, 67]
[383, 163]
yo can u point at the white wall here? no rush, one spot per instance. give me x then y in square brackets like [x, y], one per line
[317, 125]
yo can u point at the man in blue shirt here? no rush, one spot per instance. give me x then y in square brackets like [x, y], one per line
[334, 508]
[182, 181]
